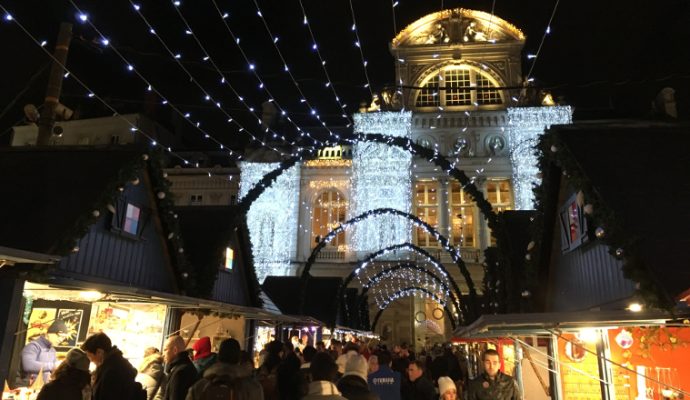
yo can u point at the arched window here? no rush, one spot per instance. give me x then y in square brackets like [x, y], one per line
[458, 85]
[330, 208]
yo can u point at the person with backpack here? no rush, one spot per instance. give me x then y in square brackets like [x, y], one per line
[114, 377]
[227, 378]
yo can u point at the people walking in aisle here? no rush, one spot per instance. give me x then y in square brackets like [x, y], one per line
[203, 356]
[492, 383]
[323, 371]
[39, 354]
[227, 378]
[114, 377]
[71, 380]
[181, 372]
[353, 385]
[151, 374]
[268, 371]
[288, 374]
[385, 382]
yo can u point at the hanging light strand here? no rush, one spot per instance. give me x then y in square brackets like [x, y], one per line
[204, 91]
[547, 32]
[329, 83]
[92, 94]
[262, 84]
[358, 44]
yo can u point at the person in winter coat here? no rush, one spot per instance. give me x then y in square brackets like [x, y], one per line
[447, 389]
[203, 357]
[419, 387]
[71, 380]
[114, 375]
[181, 372]
[39, 354]
[353, 385]
[385, 382]
[151, 372]
[323, 371]
[493, 384]
[228, 370]
[268, 371]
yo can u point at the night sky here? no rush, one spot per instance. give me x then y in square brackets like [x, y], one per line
[607, 58]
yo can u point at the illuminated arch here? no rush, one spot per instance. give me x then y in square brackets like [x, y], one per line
[408, 291]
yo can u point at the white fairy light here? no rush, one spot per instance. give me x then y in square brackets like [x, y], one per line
[272, 218]
[526, 124]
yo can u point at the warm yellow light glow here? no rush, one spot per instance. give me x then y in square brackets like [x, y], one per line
[90, 295]
[229, 258]
[588, 335]
[327, 163]
[635, 307]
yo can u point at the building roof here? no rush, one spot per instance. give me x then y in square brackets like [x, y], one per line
[48, 190]
[641, 172]
[320, 301]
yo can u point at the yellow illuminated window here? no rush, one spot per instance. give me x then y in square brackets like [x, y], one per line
[459, 85]
[500, 194]
[426, 205]
[428, 95]
[229, 258]
[329, 212]
[462, 217]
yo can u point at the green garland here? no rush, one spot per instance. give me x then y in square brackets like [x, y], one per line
[552, 152]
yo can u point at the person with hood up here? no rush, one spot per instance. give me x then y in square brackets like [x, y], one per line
[203, 357]
[39, 354]
[114, 375]
[228, 371]
[353, 385]
[71, 380]
[151, 375]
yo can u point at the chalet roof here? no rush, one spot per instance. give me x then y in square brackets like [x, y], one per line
[320, 302]
[47, 190]
[641, 171]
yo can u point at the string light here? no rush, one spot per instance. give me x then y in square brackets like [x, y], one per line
[272, 218]
[207, 57]
[262, 85]
[525, 125]
[329, 83]
[358, 44]
[133, 127]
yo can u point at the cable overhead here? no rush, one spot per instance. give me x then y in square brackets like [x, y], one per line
[133, 128]
[358, 44]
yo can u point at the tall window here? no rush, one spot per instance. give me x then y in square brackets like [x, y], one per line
[426, 204]
[462, 85]
[462, 217]
[329, 212]
[500, 194]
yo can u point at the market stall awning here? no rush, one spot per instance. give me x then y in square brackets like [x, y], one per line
[499, 325]
[116, 293]
[11, 256]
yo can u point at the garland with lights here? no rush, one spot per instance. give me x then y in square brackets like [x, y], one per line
[445, 244]
[556, 161]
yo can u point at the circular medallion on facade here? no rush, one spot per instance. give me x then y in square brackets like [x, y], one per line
[420, 316]
[437, 313]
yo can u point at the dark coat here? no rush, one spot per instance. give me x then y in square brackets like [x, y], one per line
[65, 388]
[246, 386]
[113, 376]
[421, 389]
[503, 387]
[182, 374]
[355, 388]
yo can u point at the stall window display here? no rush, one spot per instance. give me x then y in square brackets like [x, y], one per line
[264, 334]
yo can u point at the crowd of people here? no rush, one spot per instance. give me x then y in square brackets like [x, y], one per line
[292, 370]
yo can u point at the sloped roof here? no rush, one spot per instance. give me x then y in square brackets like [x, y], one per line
[641, 171]
[47, 190]
[320, 301]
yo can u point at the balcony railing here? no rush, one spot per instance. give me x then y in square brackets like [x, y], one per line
[330, 254]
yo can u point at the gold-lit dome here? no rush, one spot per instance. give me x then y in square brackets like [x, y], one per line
[457, 26]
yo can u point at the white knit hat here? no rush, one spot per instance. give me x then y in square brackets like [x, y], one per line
[444, 385]
[356, 365]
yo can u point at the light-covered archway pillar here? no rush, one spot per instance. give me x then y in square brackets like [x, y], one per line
[525, 125]
[272, 218]
[381, 178]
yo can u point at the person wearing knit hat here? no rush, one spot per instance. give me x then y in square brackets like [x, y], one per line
[203, 356]
[39, 354]
[353, 385]
[71, 379]
[447, 389]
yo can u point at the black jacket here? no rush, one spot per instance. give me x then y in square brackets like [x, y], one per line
[503, 387]
[182, 374]
[66, 388]
[421, 389]
[114, 377]
[355, 388]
